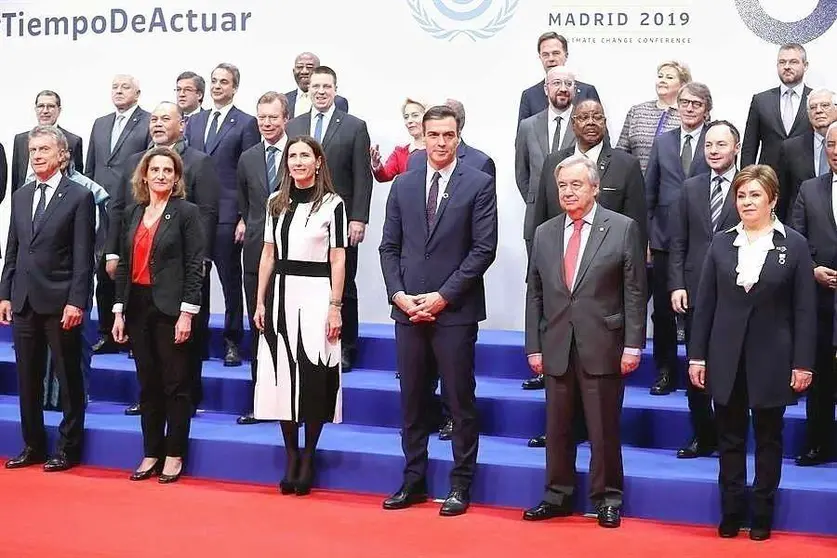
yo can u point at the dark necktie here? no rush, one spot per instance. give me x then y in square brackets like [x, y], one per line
[318, 128]
[686, 155]
[556, 137]
[271, 168]
[40, 208]
[431, 199]
[716, 202]
[213, 129]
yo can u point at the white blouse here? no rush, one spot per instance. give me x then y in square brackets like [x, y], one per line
[751, 255]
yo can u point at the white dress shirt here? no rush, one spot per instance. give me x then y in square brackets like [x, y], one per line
[726, 183]
[52, 184]
[834, 197]
[593, 153]
[444, 178]
[796, 99]
[751, 254]
[225, 110]
[280, 145]
[551, 124]
[326, 120]
[303, 102]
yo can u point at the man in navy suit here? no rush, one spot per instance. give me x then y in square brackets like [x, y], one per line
[703, 208]
[675, 156]
[45, 289]
[224, 133]
[299, 99]
[439, 239]
[553, 51]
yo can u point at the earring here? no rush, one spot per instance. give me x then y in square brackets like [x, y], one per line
[317, 172]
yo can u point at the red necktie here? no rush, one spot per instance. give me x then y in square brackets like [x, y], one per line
[571, 256]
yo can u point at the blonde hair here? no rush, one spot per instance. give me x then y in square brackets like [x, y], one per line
[682, 70]
[413, 101]
[140, 187]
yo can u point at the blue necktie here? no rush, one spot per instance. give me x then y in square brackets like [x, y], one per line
[823, 160]
[271, 168]
[213, 129]
[40, 208]
[318, 128]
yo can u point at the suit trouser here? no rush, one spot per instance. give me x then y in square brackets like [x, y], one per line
[251, 286]
[733, 421]
[819, 404]
[601, 399]
[33, 333]
[227, 256]
[348, 313]
[452, 348]
[200, 337]
[105, 294]
[700, 402]
[52, 388]
[665, 326]
[165, 376]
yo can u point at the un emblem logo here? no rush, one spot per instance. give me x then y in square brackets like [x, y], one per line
[476, 19]
[781, 32]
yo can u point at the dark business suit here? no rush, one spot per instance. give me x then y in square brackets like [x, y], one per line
[451, 256]
[690, 226]
[106, 167]
[340, 102]
[622, 188]
[764, 128]
[164, 369]
[47, 269]
[346, 146]
[533, 100]
[465, 154]
[751, 341]
[664, 178]
[236, 134]
[581, 333]
[4, 173]
[813, 218]
[253, 191]
[20, 157]
[796, 165]
[202, 189]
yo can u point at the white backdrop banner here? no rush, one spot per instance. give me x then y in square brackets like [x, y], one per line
[482, 52]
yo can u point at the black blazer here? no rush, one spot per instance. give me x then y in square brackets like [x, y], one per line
[106, 167]
[664, 181]
[622, 188]
[346, 146]
[796, 165]
[4, 173]
[52, 266]
[252, 199]
[20, 156]
[340, 102]
[764, 128]
[771, 329]
[177, 255]
[813, 218]
[690, 231]
[533, 100]
[202, 189]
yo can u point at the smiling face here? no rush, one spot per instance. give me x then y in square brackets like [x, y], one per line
[271, 118]
[165, 124]
[668, 82]
[441, 138]
[302, 164]
[692, 110]
[303, 66]
[222, 87]
[47, 110]
[161, 175]
[412, 119]
[323, 89]
[44, 155]
[720, 148]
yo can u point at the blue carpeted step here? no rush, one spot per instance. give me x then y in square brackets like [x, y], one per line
[368, 459]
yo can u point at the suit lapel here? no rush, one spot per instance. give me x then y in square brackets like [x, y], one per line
[260, 162]
[598, 232]
[773, 262]
[801, 118]
[825, 188]
[136, 217]
[541, 131]
[726, 209]
[604, 162]
[226, 126]
[199, 122]
[699, 153]
[776, 111]
[808, 150]
[54, 202]
[169, 214]
[449, 192]
[333, 125]
[27, 198]
[126, 131]
[559, 251]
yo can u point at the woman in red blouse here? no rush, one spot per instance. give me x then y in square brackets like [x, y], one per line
[412, 112]
[158, 291]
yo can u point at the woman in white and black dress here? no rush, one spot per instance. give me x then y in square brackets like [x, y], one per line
[301, 276]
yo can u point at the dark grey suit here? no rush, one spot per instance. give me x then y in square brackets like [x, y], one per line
[765, 128]
[796, 165]
[581, 334]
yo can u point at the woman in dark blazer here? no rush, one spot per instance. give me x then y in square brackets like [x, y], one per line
[158, 292]
[752, 343]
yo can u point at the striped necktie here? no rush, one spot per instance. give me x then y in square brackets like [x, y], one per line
[716, 202]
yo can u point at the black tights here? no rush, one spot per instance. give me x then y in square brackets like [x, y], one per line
[296, 468]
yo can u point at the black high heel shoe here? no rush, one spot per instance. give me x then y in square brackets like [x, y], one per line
[306, 477]
[168, 479]
[154, 471]
[288, 485]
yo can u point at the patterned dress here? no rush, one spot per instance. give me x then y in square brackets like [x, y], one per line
[298, 370]
[643, 124]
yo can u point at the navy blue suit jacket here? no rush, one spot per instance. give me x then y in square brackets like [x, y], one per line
[238, 133]
[340, 102]
[664, 181]
[52, 266]
[465, 154]
[533, 100]
[452, 256]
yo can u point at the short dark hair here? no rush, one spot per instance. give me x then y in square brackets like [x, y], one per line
[733, 130]
[200, 83]
[795, 46]
[549, 35]
[49, 93]
[271, 96]
[440, 112]
[325, 70]
[231, 69]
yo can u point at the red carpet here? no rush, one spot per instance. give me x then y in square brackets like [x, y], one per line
[93, 513]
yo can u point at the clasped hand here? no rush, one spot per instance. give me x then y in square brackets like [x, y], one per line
[421, 307]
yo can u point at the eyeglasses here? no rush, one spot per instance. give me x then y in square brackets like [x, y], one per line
[179, 90]
[684, 103]
[268, 118]
[582, 118]
[820, 106]
[45, 106]
[568, 83]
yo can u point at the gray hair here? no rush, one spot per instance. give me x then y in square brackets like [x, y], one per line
[576, 160]
[51, 131]
[831, 128]
[698, 90]
[459, 109]
[823, 91]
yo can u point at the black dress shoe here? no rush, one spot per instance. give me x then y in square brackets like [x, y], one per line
[696, 449]
[760, 528]
[247, 419]
[609, 516]
[663, 385]
[60, 462]
[154, 471]
[533, 383]
[26, 458]
[537, 441]
[104, 346]
[447, 430]
[545, 510]
[730, 526]
[133, 410]
[407, 495]
[813, 457]
[456, 503]
[232, 357]
[168, 479]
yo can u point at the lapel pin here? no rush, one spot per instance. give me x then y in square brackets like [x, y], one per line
[782, 248]
[445, 196]
[61, 195]
[782, 258]
[168, 216]
[232, 120]
[601, 229]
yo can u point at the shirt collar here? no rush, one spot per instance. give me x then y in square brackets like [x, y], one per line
[279, 144]
[593, 153]
[728, 175]
[326, 115]
[742, 236]
[444, 173]
[53, 181]
[818, 138]
[799, 89]
[301, 93]
[588, 218]
[694, 133]
[565, 114]
[225, 110]
[194, 112]
[128, 113]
